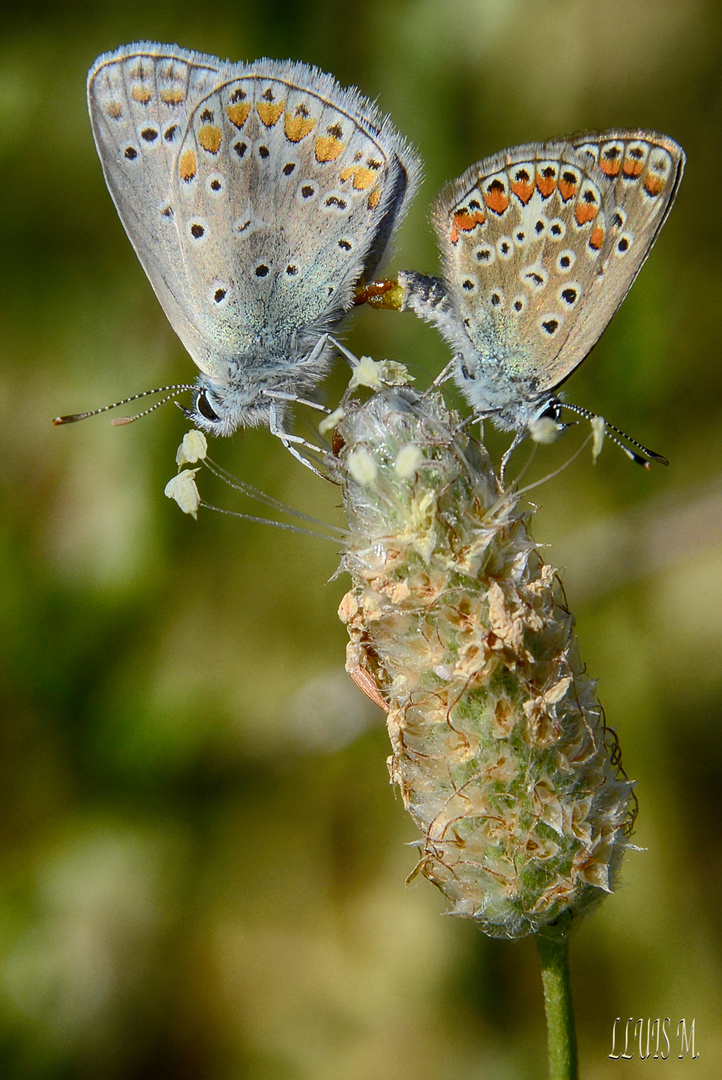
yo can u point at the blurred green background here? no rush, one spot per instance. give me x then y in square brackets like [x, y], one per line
[202, 862]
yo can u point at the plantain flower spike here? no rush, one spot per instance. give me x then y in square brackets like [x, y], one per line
[461, 631]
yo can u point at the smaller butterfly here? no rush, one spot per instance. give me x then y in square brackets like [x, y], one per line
[539, 246]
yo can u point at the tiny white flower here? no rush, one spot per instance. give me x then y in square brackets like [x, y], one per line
[366, 373]
[329, 422]
[544, 430]
[374, 374]
[193, 448]
[395, 374]
[362, 466]
[183, 489]
[408, 460]
[598, 429]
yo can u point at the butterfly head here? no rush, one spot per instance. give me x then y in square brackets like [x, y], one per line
[219, 409]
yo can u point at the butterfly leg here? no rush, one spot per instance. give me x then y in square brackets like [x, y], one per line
[292, 442]
[346, 353]
[278, 394]
[518, 438]
[444, 375]
[316, 352]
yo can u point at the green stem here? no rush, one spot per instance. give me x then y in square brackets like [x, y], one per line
[561, 1032]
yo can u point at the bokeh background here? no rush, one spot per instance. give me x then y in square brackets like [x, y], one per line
[202, 863]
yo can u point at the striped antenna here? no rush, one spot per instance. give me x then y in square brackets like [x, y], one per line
[616, 436]
[170, 392]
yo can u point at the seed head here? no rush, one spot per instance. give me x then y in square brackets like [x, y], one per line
[500, 750]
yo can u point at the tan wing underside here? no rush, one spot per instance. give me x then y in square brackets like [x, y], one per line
[523, 307]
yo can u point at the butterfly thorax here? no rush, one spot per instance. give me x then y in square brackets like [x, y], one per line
[497, 384]
[249, 386]
[495, 391]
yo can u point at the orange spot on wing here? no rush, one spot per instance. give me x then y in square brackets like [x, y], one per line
[596, 238]
[374, 198]
[567, 189]
[187, 167]
[466, 222]
[632, 167]
[172, 95]
[270, 111]
[609, 166]
[210, 138]
[653, 185]
[496, 198]
[327, 148]
[141, 94]
[363, 178]
[523, 189]
[238, 113]
[585, 212]
[545, 184]
[114, 110]
[297, 127]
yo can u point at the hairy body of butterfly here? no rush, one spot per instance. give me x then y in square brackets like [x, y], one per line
[539, 246]
[255, 196]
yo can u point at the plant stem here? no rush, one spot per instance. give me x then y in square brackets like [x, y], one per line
[561, 1032]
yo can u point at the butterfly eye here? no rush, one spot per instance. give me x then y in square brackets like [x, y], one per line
[204, 407]
[551, 412]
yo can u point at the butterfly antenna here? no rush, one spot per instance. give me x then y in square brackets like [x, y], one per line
[170, 392]
[616, 435]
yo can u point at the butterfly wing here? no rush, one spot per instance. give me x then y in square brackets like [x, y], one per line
[530, 244]
[284, 191]
[642, 172]
[137, 101]
[255, 195]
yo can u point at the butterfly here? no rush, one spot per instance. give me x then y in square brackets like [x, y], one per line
[255, 196]
[539, 246]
